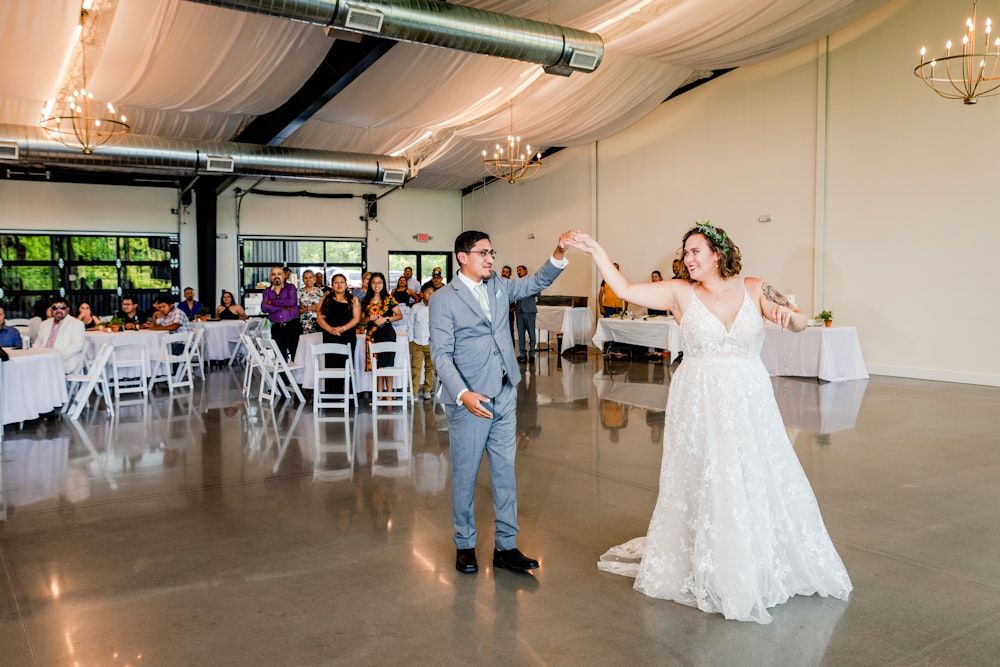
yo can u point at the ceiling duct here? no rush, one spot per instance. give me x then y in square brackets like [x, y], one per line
[30, 145]
[560, 50]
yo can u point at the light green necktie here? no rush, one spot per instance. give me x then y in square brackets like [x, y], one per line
[484, 300]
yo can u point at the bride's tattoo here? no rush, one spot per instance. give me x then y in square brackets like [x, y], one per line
[774, 296]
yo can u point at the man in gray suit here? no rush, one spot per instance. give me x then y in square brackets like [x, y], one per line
[474, 357]
[526, 312]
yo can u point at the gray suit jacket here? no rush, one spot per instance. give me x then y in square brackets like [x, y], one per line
[470, 352]
[527, 305]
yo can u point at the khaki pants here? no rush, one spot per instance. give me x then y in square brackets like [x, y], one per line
[420, 356]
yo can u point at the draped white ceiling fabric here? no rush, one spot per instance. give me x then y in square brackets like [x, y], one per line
[180, 69]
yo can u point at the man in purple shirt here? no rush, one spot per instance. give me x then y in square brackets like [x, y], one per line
[281, 303]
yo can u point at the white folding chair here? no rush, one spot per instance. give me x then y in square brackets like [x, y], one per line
[198, 350]
[278, 370]
[130, 366]
[167, 358]
[250, 328]
[399, 372]
[254, 363]
[83, 385]
[324, 399]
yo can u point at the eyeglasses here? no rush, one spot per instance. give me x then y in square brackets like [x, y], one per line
[484, 253]
[60, 307]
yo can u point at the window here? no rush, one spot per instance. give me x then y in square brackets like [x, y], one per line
[96, 269]
[422, 264]
[326, 256]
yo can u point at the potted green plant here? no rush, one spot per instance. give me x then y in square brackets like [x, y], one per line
[115, 323]
[825, 316]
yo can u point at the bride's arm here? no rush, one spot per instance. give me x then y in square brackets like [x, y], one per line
[660, 296]
[775, 306]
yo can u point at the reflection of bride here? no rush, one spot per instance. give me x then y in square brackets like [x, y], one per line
[736, 528]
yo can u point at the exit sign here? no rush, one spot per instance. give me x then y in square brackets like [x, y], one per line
[422, 238]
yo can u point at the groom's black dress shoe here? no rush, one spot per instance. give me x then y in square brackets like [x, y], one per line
[465, 561]
[512, 559]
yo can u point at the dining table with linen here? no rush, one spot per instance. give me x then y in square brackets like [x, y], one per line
[658, 332]
[831, 354]
[219, 337]
[128, 340]
[576, 325]
[32, 383]
[305, 376]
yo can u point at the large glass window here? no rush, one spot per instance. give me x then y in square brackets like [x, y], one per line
[326, 256]
[422, 263]
[96, 269]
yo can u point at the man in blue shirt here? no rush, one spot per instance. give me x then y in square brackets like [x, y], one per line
[9, 336]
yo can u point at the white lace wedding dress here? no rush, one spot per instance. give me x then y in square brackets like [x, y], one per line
[736, 528]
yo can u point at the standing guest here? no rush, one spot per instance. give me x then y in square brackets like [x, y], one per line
[412, 283]
[507, 272]
[281, 304]
[474, 357]
[527, 312]
[228, 308]
[129, 314]
[378, 311]
[90, 321]
[360, 292]
[656, 277]
[611, 303]
[189, 306]
[736, 528]
[321, 282]
[309, 297]
[437, 280]
[419, 334]
[677, 270]
[338, 317]
[402, 293]
[65, 333]
[9, 336]
[287, 270]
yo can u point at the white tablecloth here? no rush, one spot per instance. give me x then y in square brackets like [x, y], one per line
[305, 376]
[218, 334]
[659, 332]
[575, 324]
[828, 353]
[32, 383]
[153, 340]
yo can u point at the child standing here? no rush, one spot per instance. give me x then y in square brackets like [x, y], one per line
[420, 343]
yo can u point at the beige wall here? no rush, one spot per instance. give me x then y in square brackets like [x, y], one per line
[879, 192]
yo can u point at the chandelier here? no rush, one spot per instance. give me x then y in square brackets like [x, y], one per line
[510, 163]
[964, 76]
[77, 121]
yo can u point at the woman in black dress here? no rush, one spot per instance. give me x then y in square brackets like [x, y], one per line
[338, 317]
[229, 309]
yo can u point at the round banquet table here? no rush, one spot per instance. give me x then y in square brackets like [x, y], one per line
[32, 383]
[218, 335]
[153, 340]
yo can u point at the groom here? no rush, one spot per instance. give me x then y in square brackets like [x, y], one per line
[474, 356]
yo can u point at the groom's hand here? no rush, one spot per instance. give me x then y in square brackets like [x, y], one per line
[473, 402]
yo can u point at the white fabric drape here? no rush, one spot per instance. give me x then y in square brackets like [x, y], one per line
[188, 70]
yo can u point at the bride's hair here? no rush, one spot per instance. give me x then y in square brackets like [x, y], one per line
[729, 253]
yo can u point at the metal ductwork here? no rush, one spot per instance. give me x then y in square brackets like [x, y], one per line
[29, 145]
[558, 49]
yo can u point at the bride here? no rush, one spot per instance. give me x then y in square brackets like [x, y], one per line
[736, 528]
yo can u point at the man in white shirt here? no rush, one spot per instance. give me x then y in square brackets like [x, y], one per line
[65, 333]
[412, 283]
[420, 343]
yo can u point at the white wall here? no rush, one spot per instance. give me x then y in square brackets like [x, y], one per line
[878, 190]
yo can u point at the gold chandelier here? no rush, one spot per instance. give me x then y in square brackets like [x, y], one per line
[966, 76]
[77, 121]
[510, 163]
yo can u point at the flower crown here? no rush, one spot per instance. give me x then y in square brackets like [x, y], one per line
[706, 229]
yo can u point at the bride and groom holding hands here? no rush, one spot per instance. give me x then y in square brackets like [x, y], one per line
[736, 528]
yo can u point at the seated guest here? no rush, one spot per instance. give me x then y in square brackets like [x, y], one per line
[65, 333]
[656, 277]
[189, 306]
[167, 317]
[90, 321]
[129, 314]
[229, 309]
[9, 336]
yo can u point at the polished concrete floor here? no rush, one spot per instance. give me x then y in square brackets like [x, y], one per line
[202, 530]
